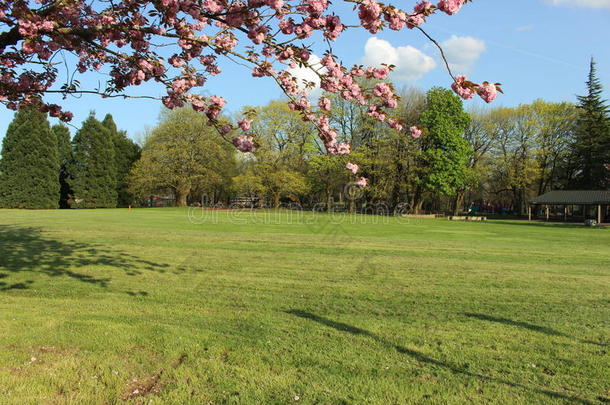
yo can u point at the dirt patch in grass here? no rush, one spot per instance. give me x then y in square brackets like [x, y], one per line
[150, 384]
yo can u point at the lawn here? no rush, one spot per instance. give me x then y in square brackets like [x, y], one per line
[149, 306]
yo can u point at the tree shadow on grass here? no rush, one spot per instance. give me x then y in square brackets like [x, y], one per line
[26, 250]
[520, 324]
[426, 359]
[528, 326]
[540, 224]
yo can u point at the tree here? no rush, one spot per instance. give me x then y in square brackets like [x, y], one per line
[327, 176]
[126, 152]
[65, 158]
[591, 147]
[93, 169]
[555, 126]
[29, 168]
[249, 184]
[445, 150]
[128, 42]
[182, 154]
[282, 131]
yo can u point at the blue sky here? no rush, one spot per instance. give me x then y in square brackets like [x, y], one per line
[535, 48]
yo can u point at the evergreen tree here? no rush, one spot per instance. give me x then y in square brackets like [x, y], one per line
[29, 168]
[591, 149]
[65, 158]
[126, 152]
[93, 169]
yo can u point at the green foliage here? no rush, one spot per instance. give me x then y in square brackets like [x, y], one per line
[93, 169]
[591, 147]
[126, 153]
[327, 175]
[182, 154]
[249, 184]
[446, 153]
[65, 158]
[29, 169]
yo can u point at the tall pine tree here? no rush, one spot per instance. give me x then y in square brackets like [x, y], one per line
[126, 152]
[591, 147]
[65, 158]
[93, 169]
[29, 168]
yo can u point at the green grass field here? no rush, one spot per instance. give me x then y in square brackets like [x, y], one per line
[147, 306]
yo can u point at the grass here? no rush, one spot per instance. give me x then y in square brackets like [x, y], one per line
[147, 306]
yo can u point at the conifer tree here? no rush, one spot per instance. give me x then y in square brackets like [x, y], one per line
[65, 158]
[29, 168]
[93, 169]
[591, 148]
[126, 152]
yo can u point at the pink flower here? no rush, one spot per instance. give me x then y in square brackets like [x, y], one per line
[352, 167]
[415, 132]
[343, 149]
[324, 104]
[362, 182]
[450, 6]
[488, 92]
[226, 129]
[244, 143]
[461, 88]
[423, 7]
[219, 101]
[245, 124]
[395, 124]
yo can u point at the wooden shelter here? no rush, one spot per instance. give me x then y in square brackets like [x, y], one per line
[581, 204]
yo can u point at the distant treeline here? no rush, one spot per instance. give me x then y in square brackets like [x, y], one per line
[501, 157]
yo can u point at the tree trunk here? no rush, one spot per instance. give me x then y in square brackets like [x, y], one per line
[459, 201]
[329, 202]
[276, 200]
[182, 192]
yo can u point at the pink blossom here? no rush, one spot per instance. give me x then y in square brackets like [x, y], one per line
[245, 124]
[450, 6]
[395, 124]
[415, 132]
[423, 7]
[488, 92]
[244, 143]
[352, 167]
[324, 104]
[362, 182]
[343, 149]
[462, 88]
[225, 129]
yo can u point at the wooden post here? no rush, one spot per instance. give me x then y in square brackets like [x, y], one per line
[546, 208]
[599, 214]
[529, 212]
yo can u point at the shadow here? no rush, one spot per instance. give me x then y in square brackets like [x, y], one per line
[343, 327]
[524, 325]
[27, 250]
[540, 224]
[529, 326]
[137, 293]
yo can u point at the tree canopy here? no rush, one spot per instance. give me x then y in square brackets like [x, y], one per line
[29, 168]
[181, 154]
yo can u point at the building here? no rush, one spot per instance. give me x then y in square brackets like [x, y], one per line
[572, 204]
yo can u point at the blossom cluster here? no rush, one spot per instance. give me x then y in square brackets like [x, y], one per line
[123, 40]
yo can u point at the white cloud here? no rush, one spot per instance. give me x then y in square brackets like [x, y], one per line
[411, 63]
[580, 3]
[305, 74]
[462, 52]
